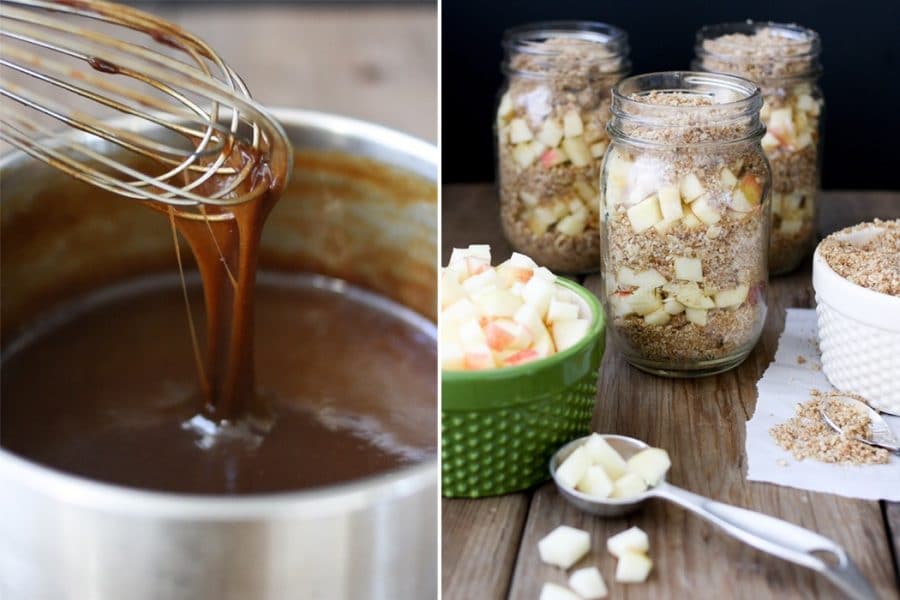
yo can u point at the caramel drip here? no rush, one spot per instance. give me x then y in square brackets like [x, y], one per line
[225, 244]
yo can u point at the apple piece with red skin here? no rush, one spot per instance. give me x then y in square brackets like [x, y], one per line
[506, 334]
[552, 157]
[752, 189]
[521, 357]
[478, 359]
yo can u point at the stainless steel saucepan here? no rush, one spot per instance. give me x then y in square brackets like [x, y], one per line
[63, 537]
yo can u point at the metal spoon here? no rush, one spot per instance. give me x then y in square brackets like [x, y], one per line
[779, 538]
[882, 436]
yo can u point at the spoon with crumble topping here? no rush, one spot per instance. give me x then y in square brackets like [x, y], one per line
[858, 421]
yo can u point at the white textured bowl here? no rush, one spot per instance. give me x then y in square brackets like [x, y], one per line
[859, 333]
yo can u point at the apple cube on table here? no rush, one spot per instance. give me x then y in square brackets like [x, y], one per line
[564, 546]
[588, 583]
[633, 567]
[553, 591]
[630, 540]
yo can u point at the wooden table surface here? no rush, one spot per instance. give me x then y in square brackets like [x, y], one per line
[489, 545]
[377, 63]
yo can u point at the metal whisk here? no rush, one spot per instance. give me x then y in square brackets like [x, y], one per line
[77, 62]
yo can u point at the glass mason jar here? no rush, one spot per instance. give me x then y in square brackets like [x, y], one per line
[784, 61]
[685, 220]
[551, 138]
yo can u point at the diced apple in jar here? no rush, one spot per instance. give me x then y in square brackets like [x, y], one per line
[528, 199]
[588, 584]
[573, 225]
[618, 169]
[688, 269]
[564, 546]
[690, 295]
[650, 278]
[519, 132]
[690, 188]
[599, 149]
[670, 202]
[697, 316]
[644, 301]
[658, 317]
[704, 209]
[769, 141]
[585, 191]
[732, 298]
[577, 151]
[728, 179]
[552, 157]
[748, 195]
[506, 106]
[690, 220]
[614, 196]
[781, 124]
[572, 125]
[630, 540]
[645, 214]
[673, 306]
[807, 103]
[551, 133]
[524, 155]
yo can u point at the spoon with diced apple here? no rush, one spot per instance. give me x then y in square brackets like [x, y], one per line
[613, 475]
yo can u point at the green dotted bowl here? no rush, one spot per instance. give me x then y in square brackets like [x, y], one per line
[500, 427]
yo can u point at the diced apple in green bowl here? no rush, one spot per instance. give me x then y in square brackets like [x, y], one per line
[520, 351]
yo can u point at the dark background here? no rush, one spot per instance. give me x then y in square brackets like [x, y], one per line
[861, 57]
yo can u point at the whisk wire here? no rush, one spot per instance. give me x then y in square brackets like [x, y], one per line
[205, 103]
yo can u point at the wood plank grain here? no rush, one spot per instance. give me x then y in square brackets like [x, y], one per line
[470, 214]
[376, 63]
[480, 544]
[707, 445]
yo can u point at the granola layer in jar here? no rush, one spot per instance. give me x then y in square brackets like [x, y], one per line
[551, 138]
[685, 222]
[784, 61]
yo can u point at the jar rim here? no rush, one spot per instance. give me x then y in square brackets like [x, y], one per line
[626, 108]
[794, 34]
[527, 39]
[589, 31]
